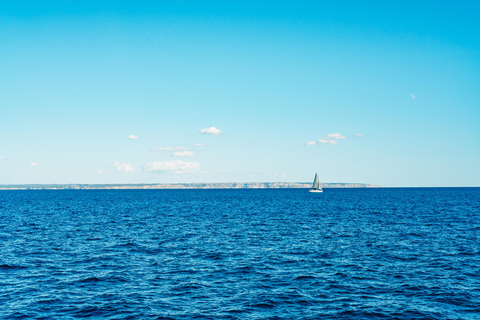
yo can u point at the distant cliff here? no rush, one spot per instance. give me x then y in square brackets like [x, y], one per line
[230, 185]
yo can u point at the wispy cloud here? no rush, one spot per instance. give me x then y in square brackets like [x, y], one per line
[33, 164]
[412, 95]
[176, 167]
[358, 134]
[199, 145]
[123, 167]
[169, 149]
[331, 138]
[132, 137]
[327, 141]
[183, 154]
[2, 158]
[212, 131]
[176, 151]
[335, 136]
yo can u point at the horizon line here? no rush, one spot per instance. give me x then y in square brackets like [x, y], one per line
[207, 185]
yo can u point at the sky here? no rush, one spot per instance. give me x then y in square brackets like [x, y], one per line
[184, 91]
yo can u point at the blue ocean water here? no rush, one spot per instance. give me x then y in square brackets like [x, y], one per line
[240, 254]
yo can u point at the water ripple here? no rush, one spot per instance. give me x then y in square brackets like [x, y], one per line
[240, 254]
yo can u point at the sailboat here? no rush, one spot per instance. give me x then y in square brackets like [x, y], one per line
[316, 185]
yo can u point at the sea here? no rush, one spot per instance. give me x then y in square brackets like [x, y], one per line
[379, 253]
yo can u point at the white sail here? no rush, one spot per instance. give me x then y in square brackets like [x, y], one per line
[316, 182]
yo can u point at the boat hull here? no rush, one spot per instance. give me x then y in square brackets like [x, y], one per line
[315, 190]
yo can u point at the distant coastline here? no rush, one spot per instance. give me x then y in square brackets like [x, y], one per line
[142, 186]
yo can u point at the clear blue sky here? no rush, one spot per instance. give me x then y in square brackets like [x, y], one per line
[374, 92]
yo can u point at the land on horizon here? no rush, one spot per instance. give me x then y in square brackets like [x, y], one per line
[220, 185]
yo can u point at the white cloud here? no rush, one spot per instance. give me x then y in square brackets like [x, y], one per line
[413, 96]
[183, 154]
[176, 166]
[2, 158]
[336, 136]
[124, 167]
[133, 137]
[33, 164]
[327, 141]
[199, 145]
[331, 138]
[212, 130]
[358, 134]
[169, 149]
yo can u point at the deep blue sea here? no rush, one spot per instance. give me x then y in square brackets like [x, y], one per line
[400, 253]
